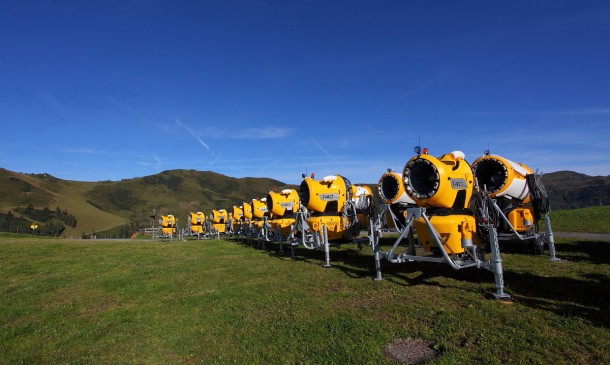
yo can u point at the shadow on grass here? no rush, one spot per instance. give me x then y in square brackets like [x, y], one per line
[585, 298]
[595, 252]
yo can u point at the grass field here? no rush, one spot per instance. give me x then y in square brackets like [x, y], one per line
[191, 302]
[592, 219]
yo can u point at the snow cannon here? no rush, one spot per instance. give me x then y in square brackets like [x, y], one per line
[219, 219]
[283, 206]
[362, 196]
[237, 214]
[505, 181]
[518, 199]
[395, 199]
[443, 186]
[196, 223]
[326, 201]
[168, 225]
[392, 190]
[237, 219]
[247, 210]
[443, 182]
[259, 212]
[501, 177]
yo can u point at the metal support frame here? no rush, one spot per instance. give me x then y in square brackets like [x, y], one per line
[471, 257]
[548, 235]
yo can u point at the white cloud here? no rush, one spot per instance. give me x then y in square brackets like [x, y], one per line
[261, 133]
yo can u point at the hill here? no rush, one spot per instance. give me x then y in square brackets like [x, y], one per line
[570, 190]
[99, 206]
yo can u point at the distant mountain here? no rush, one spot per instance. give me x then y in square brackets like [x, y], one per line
[102, 205]
[98, 206]
[570, 190]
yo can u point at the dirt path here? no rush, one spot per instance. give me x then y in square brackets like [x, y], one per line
[589, 236]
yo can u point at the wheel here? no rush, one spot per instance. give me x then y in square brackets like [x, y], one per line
[537, 245]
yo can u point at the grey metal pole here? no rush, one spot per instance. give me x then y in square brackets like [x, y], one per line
[496, 266]
[550, 238]
[326, 246]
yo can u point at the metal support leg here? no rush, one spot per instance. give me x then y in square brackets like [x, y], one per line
[496, 266]
[550, 238]
[326, 247]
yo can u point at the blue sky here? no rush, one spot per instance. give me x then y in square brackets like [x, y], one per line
[106, 90]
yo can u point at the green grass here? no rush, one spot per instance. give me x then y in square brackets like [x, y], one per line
[593, 219]
[221, 302]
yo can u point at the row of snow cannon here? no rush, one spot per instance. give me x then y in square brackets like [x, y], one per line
[444, 210]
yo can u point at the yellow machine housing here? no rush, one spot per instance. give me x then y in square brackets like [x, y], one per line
[335, 225]
[237, 214]
[168, 225]
[219, 219]
[324, 196]
[522, 219]
[456, 232]
[247, 210]
[196, 221]
[283, 203]
[443, 182]
[283, 206]
[259, 208]
[237, 218]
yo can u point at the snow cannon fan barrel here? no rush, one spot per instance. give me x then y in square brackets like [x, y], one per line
[237, 213]
[168, 224]
[283, 203]
[501, 177]
[443, 182]
[196, 219]
[324, 196]
[247, 210]
[167, 221]
[259, 208]
[392, 190]
[219, 216]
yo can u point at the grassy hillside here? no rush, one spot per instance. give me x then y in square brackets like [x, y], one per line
[99, 206]
[219, 302]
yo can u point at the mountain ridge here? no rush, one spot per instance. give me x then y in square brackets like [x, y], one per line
[106, 204]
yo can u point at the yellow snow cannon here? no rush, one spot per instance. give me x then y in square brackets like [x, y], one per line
[168, 225]
[196, 223]
[282, 207]
[505, 181]
[326, 201]
[518, 199]
[362, 197]
[443, 186]
[395, 201]
[259, 212]
[237, 219]
[219, 219]
[247, 210]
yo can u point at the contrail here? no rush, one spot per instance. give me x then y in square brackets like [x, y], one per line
[126, 107]
[326, 152]
[193, 134]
